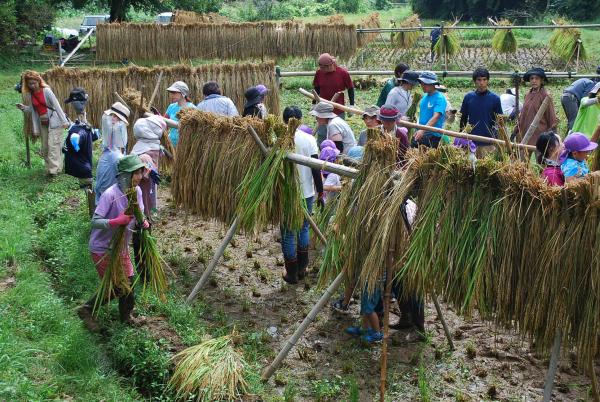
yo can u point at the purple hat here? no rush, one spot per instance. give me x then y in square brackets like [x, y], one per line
[466, 144]
[329, 154]
[327, 144]
[388, 112]
[578, 142]
[306, 129]
[262, 89]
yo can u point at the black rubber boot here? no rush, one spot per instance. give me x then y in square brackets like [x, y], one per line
[302, 255]
[126, 304]
[291, 271]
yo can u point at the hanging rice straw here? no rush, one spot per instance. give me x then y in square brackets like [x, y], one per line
[566, 43]
[272, 194]
[211, 371]
[407, 40]
[448, 44]
[504, 40]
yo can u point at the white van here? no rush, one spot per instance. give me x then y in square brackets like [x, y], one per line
[164, 18]
[90, 21]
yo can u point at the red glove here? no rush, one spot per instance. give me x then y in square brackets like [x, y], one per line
[121, 220]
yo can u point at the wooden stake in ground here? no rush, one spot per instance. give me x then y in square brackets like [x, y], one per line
[551, 373]
[386, 322]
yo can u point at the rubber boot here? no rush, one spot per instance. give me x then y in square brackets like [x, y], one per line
[302, 255]
[291, 271]
[126, 304]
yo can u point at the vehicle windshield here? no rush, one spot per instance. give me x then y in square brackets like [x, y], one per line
[164, 18]
[92, 21]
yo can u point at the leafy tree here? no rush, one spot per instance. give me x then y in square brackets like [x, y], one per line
[477, 10]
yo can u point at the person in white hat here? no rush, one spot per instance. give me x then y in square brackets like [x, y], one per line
[148, 132]
[179, 95]
[338, 130]
[508, 101]
[114, 145]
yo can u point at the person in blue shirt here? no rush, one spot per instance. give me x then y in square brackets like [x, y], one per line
[178, 92]
[479, 109]
[574, 158]
[432, 111]
[573, 94]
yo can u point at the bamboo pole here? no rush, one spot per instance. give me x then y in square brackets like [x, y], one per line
[213, 262]
[63, 62]
[551, 373]
[155, 92]
[536, 121]
[424, 127]
[440, 314]
[27, 152]
[473, 27]
[386, 322]
[499, 74]
[291, 342]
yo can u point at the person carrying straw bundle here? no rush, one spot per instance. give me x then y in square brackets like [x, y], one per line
[49, 120]
[330, 82]
[389, 116]
[108, 217]
[179, 94]
[532, 103]
[294, 245]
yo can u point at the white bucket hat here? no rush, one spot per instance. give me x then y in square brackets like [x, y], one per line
[181, 87]
[120, 111]
[323, 110]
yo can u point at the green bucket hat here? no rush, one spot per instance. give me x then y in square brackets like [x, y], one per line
[130, 164]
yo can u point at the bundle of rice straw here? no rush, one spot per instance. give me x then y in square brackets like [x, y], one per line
[214, 154]
[114, 281]
[211, 371]
[566, 43]
[102, 83]
[370, 21]
[504, 40]
[355, 224]
[190, 17]
[335, 19]
[235, 41]
[498, 238]
[447, 44]
[406, 40]
[151, 265]
[272, 193]
[412, 110]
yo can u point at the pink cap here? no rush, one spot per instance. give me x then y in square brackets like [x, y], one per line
[326, 59]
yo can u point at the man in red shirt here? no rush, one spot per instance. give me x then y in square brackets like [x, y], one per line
[329, 80]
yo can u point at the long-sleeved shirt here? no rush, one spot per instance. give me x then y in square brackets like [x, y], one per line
[401, 98]
[218, 104]
[479, 109]
[531, 104]
[580, 88]
[56, 116]
[114, 135]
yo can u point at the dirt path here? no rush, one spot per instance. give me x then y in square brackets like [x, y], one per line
[488, 363]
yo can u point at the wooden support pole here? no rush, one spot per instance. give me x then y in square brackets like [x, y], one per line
[386, 323]
[63, 62]
[408, 124]
[155, 92]
[438, 309]
[551, 373]
[291, 342]
[213, 262]
[27, 152]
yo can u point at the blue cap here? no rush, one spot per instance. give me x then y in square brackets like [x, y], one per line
[428, 77]
[356, 152]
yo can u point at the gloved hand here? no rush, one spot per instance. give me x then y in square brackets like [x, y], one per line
[155, 177]
[121, 220]
[145, 224]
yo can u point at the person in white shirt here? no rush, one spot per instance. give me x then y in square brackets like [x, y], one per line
[401, 96]
[214, 102]
[295, 244]
[338, 130]
[508, 101]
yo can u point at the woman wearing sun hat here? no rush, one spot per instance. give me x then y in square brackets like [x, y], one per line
[388, 116]
[114, 144]
[532, 103]
[179, 94]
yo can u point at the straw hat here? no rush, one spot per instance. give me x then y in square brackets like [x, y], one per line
[120, 111]
[323, 110]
